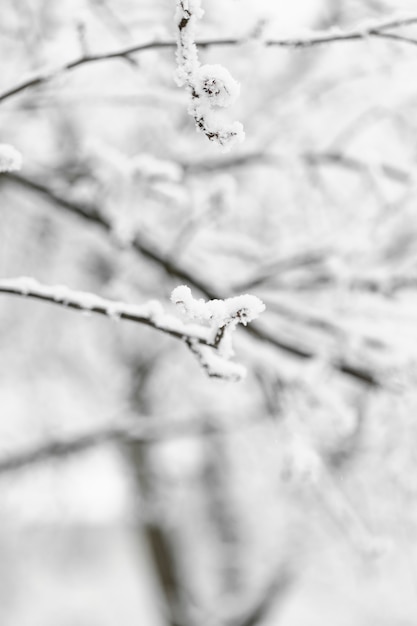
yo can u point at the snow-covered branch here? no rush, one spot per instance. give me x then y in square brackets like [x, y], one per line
[209, 340]
[374, 28]
[210, 86]
[151, 313]
[148, 250]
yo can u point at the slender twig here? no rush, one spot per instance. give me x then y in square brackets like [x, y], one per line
[324, 323]
[283, 265]
[375, 28]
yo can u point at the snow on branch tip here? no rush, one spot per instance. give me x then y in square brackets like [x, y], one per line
[222, 317]
[207, 327]
[210, 86]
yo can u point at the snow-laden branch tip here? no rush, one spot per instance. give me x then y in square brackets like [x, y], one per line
[210, 86]
[222, 317]
[206, 331]
[10, 158]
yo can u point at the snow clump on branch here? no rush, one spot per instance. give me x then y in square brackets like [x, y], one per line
[10, 158]
[222, 316]
[210, 86]
[241, 309]
[217, 85]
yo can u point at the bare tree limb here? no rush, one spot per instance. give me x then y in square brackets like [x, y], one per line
[147, 430]
[395, 37]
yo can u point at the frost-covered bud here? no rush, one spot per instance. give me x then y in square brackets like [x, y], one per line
[10, 158]
[216, 84]
[244, 308]
[181, 295]
[194, 309]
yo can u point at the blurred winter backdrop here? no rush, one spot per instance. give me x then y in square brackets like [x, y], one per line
[133, 488]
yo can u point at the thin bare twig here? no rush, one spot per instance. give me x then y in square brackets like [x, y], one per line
[393, 172]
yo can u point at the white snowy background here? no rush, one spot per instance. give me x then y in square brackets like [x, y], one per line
[287, 498]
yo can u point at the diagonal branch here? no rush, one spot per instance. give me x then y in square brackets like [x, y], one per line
[147, 430]
[92, 214]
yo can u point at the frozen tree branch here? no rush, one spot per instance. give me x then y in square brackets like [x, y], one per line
[171, 268]
[375, 28]
[223, 316]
